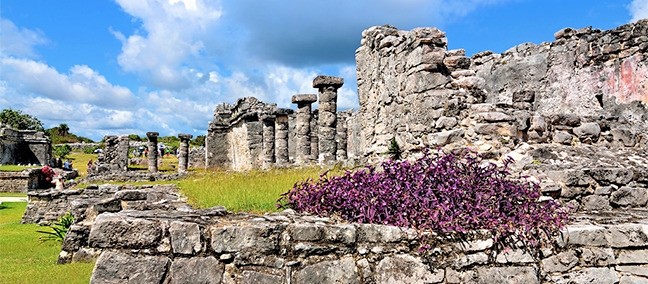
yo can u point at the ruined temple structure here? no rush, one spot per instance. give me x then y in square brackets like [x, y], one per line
[24, 147]
[252, 134]
[112, 163]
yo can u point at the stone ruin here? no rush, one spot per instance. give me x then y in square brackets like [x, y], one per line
[251, 134]
[24, 147]
[112, 163]
[572, 113]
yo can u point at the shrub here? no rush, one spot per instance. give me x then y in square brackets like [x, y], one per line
[452, 194]
[62, 151]
[59, 229]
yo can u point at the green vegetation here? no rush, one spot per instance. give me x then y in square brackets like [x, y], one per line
[169, 164]
[14, 168]
[21, 121]
[61, 151]
[198, 140]
[61, 134]
[12, 194]
[25, 259]
[59, 229]
[253, 191]
[80, 162]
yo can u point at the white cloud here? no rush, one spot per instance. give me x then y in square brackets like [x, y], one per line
[639, 10]
[81, 84]
[19, 41]
[172, 33]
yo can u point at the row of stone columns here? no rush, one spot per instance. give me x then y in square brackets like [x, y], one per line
[183, 151]
[316, 139]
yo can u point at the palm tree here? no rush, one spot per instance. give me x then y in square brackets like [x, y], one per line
[63, 129]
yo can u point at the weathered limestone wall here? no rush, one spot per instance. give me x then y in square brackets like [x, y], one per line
[19, 181]
[114, 158]
[209, 247]
[24, 147]
[587, 87]
[583, 71]
[235, 138]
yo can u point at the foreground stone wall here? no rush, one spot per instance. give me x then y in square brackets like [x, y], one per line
[205, 247]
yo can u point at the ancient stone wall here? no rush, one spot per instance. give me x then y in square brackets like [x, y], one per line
[207, 247]
[587, 86]
[24, 147]
[19, 181]
[235, 136]
[113, 158]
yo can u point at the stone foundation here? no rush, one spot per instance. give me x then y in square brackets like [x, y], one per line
[199, 246]
[19, 181]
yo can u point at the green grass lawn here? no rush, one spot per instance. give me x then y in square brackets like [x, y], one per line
[13, 194]
[24, 259]
[14, 168]
[253, 191]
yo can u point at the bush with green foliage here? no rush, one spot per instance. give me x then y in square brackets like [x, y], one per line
[62, 150]
[453, 194]
[21, 121]
[59, 229]
[199, 140]
[394, 150]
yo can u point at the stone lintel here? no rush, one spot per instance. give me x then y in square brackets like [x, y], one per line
[322, 81]
[284, 111]
[304, 98]
[184, 136]
[152, 134]
[268, 117]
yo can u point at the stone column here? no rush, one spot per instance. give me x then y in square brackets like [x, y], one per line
[152, 151]
[302, 127]
[341, 136]
[314, 136]
[327, 86]
[268, 140]
[281, 139]
[183, 151]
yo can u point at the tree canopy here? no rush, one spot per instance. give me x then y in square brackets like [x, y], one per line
[21, 121]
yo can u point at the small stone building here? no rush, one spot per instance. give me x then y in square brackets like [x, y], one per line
[24, 147]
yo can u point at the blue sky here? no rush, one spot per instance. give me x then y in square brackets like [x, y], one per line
[113, 67]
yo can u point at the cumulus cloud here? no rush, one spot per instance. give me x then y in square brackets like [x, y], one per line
[639, 10]
[19, 41]
[81, 84]
[171, 37]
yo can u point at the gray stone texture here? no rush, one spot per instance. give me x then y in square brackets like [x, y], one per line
[327, 120]
[406, 269]
[114, 158]
[152, 151]
[116, 267]
[303, 127]
[281, 140]
[183, 152]
[269, 158]
[196, 270]
[24, 147]
[343, 271]
[185, 238]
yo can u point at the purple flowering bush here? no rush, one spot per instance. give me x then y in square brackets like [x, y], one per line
[455, 193]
